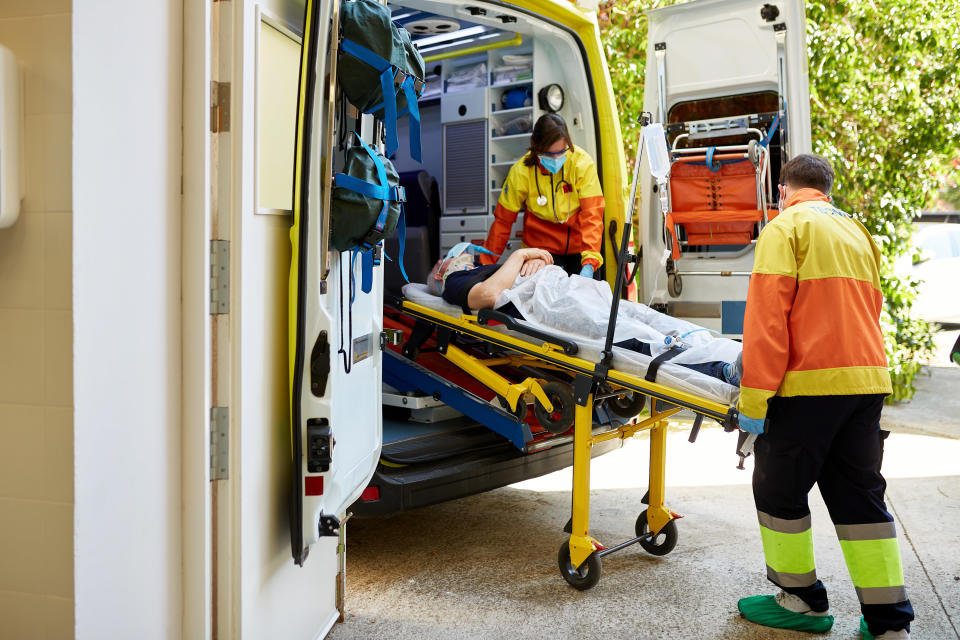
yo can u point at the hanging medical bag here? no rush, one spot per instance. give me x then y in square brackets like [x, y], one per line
[367, 200]
[380, 70]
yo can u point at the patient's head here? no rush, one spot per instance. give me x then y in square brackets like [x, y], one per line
[444, 267]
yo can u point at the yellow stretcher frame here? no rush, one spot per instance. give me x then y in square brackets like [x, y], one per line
[581, 547]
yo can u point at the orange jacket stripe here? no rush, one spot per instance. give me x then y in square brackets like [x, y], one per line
[828, 313]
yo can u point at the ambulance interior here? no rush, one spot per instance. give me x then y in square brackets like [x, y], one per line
[491, 71]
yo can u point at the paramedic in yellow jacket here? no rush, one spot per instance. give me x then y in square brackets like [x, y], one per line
[558, 186]
[814, 377]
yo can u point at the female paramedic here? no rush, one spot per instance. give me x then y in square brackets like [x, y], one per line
[558, 186]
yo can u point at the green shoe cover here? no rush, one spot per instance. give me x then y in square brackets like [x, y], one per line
[764, 610]
[864, 631]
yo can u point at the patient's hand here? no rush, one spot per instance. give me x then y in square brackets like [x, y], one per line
[530, 253]
[531, 266]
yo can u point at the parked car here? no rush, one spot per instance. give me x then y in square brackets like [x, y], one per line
[938, 268]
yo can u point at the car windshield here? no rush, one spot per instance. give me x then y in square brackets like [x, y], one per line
[940, 242]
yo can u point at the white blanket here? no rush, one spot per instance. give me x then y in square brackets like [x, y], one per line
[578, 309]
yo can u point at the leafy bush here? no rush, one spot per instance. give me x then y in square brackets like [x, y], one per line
[885, 110]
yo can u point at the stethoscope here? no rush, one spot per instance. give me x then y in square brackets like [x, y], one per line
[542, 199]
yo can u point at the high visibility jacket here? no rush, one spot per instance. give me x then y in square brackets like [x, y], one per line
[812, 322]
[571, 220]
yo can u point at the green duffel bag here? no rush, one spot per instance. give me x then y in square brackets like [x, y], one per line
[379, 69]
[367, 204]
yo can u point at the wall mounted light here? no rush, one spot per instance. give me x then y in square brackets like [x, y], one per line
[551, 98]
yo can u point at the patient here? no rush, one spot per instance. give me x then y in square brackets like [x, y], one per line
[461, 282]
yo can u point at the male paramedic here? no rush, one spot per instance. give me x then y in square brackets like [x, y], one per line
[814, 378]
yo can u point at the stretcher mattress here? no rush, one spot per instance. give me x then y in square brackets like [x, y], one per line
[578, 309]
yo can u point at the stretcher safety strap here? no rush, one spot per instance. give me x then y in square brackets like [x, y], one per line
[654, 366]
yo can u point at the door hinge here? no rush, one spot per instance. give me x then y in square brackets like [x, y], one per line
[219, 106]
[219, 443]
[219, 277]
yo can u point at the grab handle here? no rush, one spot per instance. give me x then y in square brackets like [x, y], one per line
[486, 315]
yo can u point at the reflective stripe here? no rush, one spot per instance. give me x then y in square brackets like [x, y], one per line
[788, 552]
[882, 595]
[792, 579]
[873, 563]
[872, 531]
[783, 526]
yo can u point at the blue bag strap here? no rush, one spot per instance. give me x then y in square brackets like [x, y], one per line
[773, 129]
[409, 90]
[402, 241]
[386, 86]
[366, 271]
[363, 188]
[389, 111]
[381, 172]
[363, 54]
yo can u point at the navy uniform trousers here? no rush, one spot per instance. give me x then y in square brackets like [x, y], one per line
[835, 442]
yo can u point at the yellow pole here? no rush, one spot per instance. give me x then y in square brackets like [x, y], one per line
[658, 515]
[581, 544]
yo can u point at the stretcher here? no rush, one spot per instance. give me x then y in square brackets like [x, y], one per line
[512, 341]
[528, 347]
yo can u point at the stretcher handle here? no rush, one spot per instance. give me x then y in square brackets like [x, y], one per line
[486, 315]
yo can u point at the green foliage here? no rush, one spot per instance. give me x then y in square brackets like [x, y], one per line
[885, 110]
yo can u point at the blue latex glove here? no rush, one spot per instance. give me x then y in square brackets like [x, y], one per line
[751, 425]
[587, 271]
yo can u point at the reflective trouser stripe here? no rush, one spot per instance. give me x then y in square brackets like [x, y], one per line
[792, 579]
[882, 595]
[788, 550]
[873, 559]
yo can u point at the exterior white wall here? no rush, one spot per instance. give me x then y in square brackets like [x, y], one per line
[126, 238]
[36, 332]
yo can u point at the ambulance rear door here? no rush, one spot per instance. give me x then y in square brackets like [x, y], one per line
[703, 57]
[336, 318]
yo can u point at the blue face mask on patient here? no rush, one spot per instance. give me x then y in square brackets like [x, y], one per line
[552, 164]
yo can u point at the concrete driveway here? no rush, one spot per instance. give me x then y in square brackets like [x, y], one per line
[485, 567]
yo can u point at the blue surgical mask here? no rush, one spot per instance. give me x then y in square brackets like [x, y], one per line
[469, 247]
[552, 164]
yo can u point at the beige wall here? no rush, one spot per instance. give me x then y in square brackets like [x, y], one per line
[36, 346]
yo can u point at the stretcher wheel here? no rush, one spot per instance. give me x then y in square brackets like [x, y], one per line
[561, 418]
[583, 577]
[674, 284]
[627, 406]
[662, 543]
[520, 413]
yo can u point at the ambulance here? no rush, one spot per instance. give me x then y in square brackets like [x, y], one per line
[726, 79]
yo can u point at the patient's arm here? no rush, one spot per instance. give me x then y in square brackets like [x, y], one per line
[484, 295]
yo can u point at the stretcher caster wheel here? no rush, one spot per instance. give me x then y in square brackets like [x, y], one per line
[561, 418]
[627, 406]
[520, 413]
[660, 544]
[674, 284]
[583, 577]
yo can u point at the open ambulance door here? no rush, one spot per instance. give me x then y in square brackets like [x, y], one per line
[335, 357]
[728, 80]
